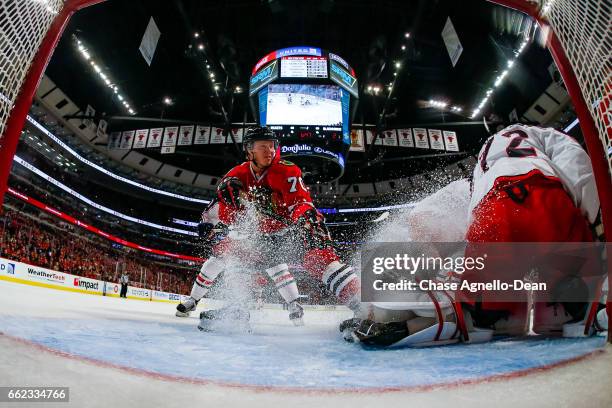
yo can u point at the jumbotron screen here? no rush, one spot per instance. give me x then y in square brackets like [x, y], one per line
[303, 104]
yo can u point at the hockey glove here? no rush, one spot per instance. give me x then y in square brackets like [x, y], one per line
[229, 190]
[380, 334]
[315, 232]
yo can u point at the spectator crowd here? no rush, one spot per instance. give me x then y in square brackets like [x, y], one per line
[38, 240]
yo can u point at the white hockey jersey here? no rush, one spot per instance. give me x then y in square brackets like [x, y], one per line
[442, 216]
[519, 149]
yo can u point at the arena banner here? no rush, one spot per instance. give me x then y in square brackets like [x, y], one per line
[389, 137]
[185, 135]
[36, 276]
[158, 296]
[405, 137]
[193, 135]
[112, 289]
[357, 142]
[450, 141]
[20, 272]
[138, 293]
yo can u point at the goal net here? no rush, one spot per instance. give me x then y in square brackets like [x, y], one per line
[584, 28]
[23, 25]
[581, 32]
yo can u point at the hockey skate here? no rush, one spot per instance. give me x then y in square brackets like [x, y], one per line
[185, 308]
[229, 318]
[296, 313]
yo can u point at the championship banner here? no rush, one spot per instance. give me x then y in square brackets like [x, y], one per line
[435, 139]
[450, 140]
[89, 111]
[405, 137]
[155, 137]
[217, 136]
[114, 140]
[140, 139]
[389, 137]
[357, 142]
[101, 130]
[127, 138]
[186, 136]
[370, 137]
[202, 135]
[170, 136]
[237, 133]
[420, 138]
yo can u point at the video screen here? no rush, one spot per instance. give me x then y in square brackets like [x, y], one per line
[296, 104]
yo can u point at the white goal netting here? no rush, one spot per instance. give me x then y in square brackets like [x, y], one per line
[584, 28]
[23, 25]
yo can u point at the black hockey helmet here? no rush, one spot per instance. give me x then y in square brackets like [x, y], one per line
[255, 133]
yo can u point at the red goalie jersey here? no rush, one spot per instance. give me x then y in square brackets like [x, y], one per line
[279, 193]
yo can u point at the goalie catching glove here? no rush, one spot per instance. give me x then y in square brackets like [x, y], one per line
[371, 333]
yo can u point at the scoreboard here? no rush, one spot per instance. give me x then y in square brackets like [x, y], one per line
[303, 67]
[308, 97]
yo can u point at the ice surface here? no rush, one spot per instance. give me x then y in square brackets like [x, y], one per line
[146, 336]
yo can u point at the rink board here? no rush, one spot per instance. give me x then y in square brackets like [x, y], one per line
[32, 275]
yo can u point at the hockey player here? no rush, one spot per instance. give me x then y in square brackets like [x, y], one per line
[534, 185]
[215, 233]
[277, 189]
[530, 185]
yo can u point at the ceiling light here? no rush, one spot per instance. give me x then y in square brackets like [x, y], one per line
[407, 35]
[200, 47]
[403, 48]
[167, 101]
[196, 35]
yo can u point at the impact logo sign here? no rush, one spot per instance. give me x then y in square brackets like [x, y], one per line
[85, 284]
[7, 268]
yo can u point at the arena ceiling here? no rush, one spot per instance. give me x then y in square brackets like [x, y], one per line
[371, 35]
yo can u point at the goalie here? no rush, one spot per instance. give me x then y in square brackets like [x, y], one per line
[530, 185]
